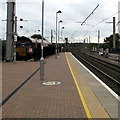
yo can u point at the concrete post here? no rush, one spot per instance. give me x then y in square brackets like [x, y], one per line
[98, 39]
[56, 38]
[51, 36]
[15, 40]
[114, 36]
[10, 30]
[42, 59]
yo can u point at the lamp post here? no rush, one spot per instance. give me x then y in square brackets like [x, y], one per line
[52, 35]
[42, 59]
[62, 37]
[59, 34]
[56, 32]
[98, 41]
[62, 32]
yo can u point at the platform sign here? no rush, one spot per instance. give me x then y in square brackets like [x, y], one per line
[30, 50]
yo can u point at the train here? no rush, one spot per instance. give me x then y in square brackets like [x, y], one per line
[29, 48]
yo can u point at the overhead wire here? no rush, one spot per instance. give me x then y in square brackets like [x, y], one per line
[101, 6]
[90, 14]
[96, 12]
[101, 22]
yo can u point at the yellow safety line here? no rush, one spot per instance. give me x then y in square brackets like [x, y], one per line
[80, 93]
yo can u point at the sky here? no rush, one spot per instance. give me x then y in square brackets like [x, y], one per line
[73, 13]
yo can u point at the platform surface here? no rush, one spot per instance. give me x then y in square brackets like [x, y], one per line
[99, 100]
[35, 100]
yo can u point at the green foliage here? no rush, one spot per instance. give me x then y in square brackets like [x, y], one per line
[22, 38]
[38, 36]
[109, 41]
[93, 45]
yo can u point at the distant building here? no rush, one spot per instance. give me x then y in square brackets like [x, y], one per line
[119, 17]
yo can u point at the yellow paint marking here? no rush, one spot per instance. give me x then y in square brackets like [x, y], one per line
[80, 93]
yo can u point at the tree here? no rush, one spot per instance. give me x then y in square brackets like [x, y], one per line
[37, 36]
[109, 41]
[22, 38]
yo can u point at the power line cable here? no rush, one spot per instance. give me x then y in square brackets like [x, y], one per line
[100, 22]
[90, 15]
[102, 6]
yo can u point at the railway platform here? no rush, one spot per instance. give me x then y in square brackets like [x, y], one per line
[69, 90]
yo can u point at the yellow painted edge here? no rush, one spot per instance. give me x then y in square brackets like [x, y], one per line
[79, 91]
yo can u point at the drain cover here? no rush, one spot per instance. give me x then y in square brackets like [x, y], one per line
[52, 83]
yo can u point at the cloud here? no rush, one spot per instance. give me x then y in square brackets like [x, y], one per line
[72, 11]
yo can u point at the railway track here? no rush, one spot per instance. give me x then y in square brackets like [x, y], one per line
[107, 64]
[107, 72]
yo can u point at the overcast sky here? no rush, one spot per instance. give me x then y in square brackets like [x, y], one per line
[73, 12]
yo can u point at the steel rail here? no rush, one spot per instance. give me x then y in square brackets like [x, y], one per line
[103, 63]
[98, 69]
